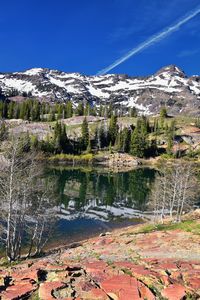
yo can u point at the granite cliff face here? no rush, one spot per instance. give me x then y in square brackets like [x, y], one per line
[169, 86]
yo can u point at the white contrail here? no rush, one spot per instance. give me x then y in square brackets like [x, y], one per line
[152, 40]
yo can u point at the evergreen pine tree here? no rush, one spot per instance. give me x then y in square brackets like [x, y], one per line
[34, 108]
[169, 143]
[84, 134]
[135, 144]
[89, 148]
[126, 136]
[197, 122]
[69, 109]
[11, 106]
[132, 112]
[100, 113]
[87, 109]
[59, 111]
[5, 110]
[64, 142]
[101, 137]
[34, 143]
[52, 116]
[163, 113]
[139, 143]
[3, 131]
[1, 109]
[80, 109]
[25, 142]
[57, 137]
[113, 129]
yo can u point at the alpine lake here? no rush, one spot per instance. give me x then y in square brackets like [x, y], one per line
[91, 201]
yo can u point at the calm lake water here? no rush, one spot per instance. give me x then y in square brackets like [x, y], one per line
[91, 201]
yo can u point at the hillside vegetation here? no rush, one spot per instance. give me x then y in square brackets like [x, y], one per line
[70, 132]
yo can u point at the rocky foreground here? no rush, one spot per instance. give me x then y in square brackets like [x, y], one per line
[125, 264]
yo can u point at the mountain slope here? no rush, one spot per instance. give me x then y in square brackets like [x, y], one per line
[169, 86]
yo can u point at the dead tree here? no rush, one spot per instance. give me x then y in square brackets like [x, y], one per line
[19, 181]
[159, 197]
[188, 189]
[175, 191]
[41, 217]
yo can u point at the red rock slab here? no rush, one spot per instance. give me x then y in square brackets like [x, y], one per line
[104, 241]
[121, 286]
[82, 285]
[47, 288]
[165, 279]
[145, 292]
[151, 261]
[3, 272]
[22, 266]
[193, 272]
[19, 290]
[194, 283]
[175, 232]
[192, 278]
[43, 264]
[98, 294]
[69, 299]
[185, 265]
[141, 271]
[25, 274]
[137, 270]
[40, 264]
[56, 267]
[125, 264]
[98, 270]
[196, 266]
[174, 292]
[95, 267]
[167, 266]
[177, 275]
[147, 242]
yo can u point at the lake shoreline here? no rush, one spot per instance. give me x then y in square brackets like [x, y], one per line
[113, 160]
[119, 226]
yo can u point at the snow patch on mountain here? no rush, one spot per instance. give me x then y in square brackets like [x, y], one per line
[97, 92]
[32, 72]
[18, 84]
[57, 82]
[169, 86]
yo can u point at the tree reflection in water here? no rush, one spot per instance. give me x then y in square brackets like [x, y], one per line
[84, 189]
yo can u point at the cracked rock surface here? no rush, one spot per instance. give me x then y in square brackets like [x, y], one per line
[122, 265]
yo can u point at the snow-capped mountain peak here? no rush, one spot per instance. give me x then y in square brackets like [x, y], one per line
[169, 86]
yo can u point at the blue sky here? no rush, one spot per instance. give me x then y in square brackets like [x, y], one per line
[88, 35]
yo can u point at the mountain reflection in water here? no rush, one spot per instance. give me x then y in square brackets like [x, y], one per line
[92, 200]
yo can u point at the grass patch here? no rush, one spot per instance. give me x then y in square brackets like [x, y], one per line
[35, 296]
[127, 271]
[188, 226]
[5, 263]
[83, 158]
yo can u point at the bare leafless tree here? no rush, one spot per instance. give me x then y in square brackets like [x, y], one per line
[175, 191]
[24, 199]
[41, 216]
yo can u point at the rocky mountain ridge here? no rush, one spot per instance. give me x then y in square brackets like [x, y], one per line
[169, 86]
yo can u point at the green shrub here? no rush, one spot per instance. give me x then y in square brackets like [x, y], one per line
[83, 158]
